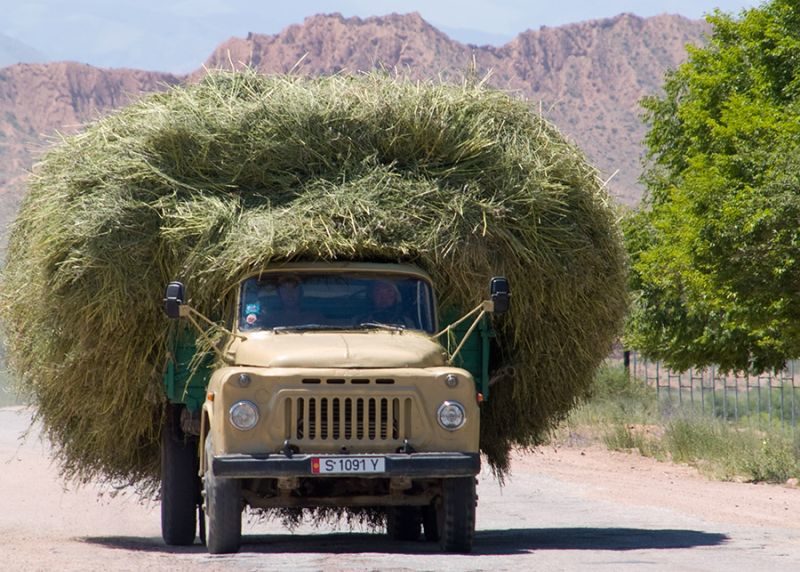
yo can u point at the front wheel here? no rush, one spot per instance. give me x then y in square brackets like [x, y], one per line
[455, 514]
[223, 510]
[180, 483]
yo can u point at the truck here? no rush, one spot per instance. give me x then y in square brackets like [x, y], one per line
[330, 384]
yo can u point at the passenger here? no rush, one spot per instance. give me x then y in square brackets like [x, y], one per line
[387, 306]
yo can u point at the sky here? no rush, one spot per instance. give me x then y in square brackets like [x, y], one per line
[178, 35]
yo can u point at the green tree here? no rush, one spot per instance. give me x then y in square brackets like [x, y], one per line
[715, 253]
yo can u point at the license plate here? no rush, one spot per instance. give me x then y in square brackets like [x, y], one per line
[347, 465]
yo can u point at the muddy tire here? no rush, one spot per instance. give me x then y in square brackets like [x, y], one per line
[456, 514]
[403, 522]
[223, 510]
[180, 484]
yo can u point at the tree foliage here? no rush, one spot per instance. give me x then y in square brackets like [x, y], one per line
[715, 254]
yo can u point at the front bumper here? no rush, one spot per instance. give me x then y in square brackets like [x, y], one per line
[415, 465]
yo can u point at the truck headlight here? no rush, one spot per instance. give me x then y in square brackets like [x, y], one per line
[243, 415]
[451, 415]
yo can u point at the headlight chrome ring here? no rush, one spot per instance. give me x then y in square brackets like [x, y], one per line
[451, 415]
[243, 415]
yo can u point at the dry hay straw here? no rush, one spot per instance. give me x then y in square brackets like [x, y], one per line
[208, 182]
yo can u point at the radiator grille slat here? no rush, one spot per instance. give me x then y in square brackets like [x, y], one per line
[395, 418]
[344, 418]
[360, 418]
[349, 422]
[371, 420]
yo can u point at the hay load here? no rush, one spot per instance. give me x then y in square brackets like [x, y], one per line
[208, 182]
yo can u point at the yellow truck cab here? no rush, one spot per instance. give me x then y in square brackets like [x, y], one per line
[331, 389]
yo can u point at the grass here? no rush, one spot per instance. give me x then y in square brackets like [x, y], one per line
[625, 415]
[212, 181]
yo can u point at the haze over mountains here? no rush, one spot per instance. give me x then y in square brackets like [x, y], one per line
[587, 77]
[13, 51]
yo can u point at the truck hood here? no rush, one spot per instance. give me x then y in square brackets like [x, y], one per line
[371, 349]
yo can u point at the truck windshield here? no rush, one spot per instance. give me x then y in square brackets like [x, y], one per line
[340, 301]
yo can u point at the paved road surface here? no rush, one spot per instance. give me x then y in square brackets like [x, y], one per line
[562, 510]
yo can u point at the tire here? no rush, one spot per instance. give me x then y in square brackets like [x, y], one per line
[403, 522]
[429, 524]
[223, 510]
[456, 514]
[180, 484]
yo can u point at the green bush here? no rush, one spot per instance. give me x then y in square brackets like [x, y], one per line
[627, 415]
[732, 451]
[617, 397]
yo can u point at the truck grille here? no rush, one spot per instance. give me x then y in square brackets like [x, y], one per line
[368, 419]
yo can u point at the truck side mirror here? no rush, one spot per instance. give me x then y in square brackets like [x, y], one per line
[501, 294]
[173, 298]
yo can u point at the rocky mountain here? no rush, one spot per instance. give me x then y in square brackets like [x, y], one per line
[38, 101]
[586, 77]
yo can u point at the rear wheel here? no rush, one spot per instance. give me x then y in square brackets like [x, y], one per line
[403, 522]
[223, 510]
[456, 514]
[180, 484]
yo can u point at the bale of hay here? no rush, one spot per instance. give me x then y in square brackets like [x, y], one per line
[208, 182]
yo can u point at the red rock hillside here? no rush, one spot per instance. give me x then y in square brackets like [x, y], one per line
[587, 78]
[38, 101]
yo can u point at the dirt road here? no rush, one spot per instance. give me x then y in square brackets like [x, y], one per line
[565, 509]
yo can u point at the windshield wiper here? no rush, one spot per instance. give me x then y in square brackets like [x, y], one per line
[309, 327]
[322, 327]
[382, 326]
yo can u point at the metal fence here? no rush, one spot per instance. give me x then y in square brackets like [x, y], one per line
[772, 398]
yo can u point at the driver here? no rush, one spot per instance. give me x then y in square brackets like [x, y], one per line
[291, 312]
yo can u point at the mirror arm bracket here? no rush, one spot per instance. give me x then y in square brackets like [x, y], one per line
[189, 313]
[186, 311]
[199, 328]
[471, 329]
